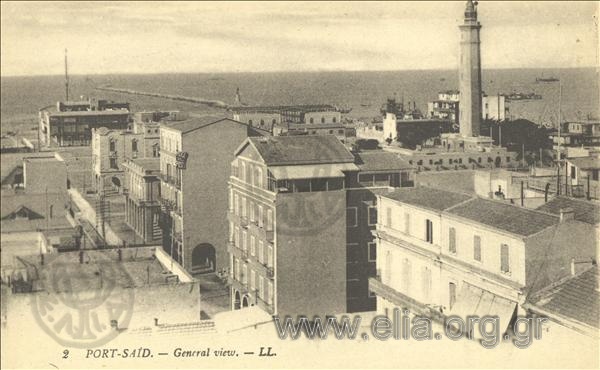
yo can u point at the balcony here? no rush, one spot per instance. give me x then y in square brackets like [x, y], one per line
[270, 272]
[245, 255]
[176, 182]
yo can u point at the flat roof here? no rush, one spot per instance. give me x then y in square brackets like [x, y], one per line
[506, 217]
[195, 123]
[305, 149]
[137, 268]
[379, 160]
[592, 163]
[148, 164]
[117, 112]
[430, 198]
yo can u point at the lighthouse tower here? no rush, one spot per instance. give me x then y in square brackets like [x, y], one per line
[469, 78]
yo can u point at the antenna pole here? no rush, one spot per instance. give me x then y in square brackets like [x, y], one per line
[66, 78]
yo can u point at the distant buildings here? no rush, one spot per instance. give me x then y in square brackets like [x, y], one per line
[71, 123]
[142, 194]
[266, 117]
[446, 106]
[581, 178]
[443, 253]
[195, 164]
[578, 134]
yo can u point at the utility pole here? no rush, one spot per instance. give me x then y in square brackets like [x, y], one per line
[523, 155]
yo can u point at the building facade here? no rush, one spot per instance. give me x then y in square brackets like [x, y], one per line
[142, 194]
[195, 164]
[71, 123]
[287, 225]
[443, 253]
[111, 149]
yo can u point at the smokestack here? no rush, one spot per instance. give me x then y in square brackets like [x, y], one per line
[66, 78]
[567, 214]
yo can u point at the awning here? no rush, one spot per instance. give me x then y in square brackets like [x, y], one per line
[311, 171]
[474, 301]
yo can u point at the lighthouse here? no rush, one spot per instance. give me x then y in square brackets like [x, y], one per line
[470, 73]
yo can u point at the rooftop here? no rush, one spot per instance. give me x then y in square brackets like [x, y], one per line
[99, 268]
[584, 211]
[283, 108]
[195, 123]
[378, 160]
[434, 199]
[506, 217]
[586, 162]
[578, 298]
[148, 164]
[119, 112]
[309, 149]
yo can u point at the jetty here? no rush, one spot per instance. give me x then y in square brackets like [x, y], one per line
[209, 102]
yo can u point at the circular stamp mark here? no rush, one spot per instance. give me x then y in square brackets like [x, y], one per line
[83, 305]
[316, 203]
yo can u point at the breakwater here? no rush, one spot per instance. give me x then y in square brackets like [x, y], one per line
[209, 102]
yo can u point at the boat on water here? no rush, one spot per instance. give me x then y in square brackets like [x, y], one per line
[546, 79]
[523, 96]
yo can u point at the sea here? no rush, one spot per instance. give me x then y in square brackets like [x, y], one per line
[364, 92]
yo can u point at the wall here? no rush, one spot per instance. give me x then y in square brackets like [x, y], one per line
[322, 117]
[311, 261]
[205, 191]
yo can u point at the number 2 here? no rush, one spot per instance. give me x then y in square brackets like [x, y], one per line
[66, 353]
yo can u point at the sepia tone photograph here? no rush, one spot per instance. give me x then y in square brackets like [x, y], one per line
[294, 184]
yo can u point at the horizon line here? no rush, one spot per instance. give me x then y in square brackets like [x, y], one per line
[286, 71]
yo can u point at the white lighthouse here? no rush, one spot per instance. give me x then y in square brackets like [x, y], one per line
[470, 73]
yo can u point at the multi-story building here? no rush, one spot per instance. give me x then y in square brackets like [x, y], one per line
[446, 106]
[112, 148]
[343, 132]
[581, 177]
[265, 117]
[142, 193]
[71, 123]
[195, 163]
[287, 225]
[378, 173]
[442, 253]
[578, 134]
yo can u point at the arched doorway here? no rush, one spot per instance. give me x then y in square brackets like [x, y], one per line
[236, 302]
[498, 161]
[245, 301]
[203, 259]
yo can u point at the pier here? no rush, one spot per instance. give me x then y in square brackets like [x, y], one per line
[209, 102]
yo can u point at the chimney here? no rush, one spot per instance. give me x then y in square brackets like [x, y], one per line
[567, 214]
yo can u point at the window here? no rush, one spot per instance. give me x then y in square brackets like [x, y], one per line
[330, 132]
[426, 281]
[244, 240]
[252, 280]
[271, 293]
[311, 120]
[262, 122]
[251, 211]
[274, 121]
[250, 122]
[406, 275]
[50, 212]
[113, 163]
[112, 145]
[451, 295]
[351, 217]
[261, 251]
[258, 177]
[573, 172]
[322, 119]
[429, 231]
[242, 170]
[252, 245]
[452, 240]
[340, 132]
[231, 231]
[334, 120]
[388, 216]
[245, 274]
[237, 237]
[155, 150]
[372, 216]
[407, 223]
[261, 287]
[244, 209]
[269, 256]
[507, 159]
[134, 145]
[236, 204]
[372, 252]
[595, 175]
[504, 259]
[477, 248]
[260, 216]
[269, 220]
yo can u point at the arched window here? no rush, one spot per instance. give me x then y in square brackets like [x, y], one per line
[322, 119]
[312, 120]
[262, 122]
[250, 122]
[274, 121]
[112, 145]
[134, 145]
[334, 120]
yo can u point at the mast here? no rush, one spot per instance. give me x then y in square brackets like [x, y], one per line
[66, 78]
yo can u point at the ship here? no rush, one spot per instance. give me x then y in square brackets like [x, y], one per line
[546, 79]
[523, 96]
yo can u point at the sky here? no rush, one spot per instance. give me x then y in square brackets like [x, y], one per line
[179, 37]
